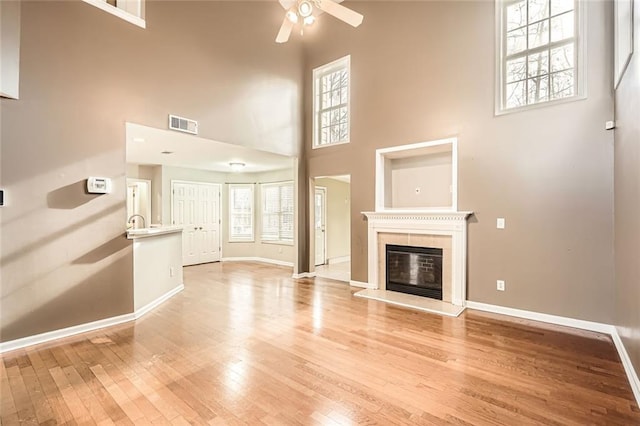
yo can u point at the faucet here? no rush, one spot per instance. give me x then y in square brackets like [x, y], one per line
[132, 219]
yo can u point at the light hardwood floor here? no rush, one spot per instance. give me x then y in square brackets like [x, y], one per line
[246, 344]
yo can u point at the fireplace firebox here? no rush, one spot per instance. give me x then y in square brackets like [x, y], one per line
[414, 270]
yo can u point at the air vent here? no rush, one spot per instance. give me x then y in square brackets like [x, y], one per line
[183, 124]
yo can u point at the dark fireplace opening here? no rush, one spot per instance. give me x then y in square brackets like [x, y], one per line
[414, 270]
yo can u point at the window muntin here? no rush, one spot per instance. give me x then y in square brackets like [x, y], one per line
[277, 212]
[241, 212]
[331, 103]
[539, 52]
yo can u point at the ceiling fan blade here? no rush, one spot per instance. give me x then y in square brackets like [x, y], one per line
[338, 11]
[285, 31]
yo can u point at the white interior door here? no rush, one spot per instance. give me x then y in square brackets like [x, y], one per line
[196, 207]
[320, 224]
[209, 227]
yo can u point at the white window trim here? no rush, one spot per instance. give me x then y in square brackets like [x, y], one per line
[278, 241]
[252, 239]
[122, 14]
[345, 61]
[581, 50]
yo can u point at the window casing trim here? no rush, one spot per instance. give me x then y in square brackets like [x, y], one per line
[580, 39]
[231, 238]
[318, 73]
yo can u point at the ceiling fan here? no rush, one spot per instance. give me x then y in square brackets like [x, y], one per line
[305, 11]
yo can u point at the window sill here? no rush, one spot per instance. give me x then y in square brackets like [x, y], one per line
[241, 241]
[500, 112]
[278, 243]
[102, 4]
[330, 144]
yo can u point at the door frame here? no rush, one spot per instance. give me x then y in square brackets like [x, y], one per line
[149, 195]
[324, 191]
[219, 185]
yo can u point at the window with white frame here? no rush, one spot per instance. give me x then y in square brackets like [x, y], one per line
[540, 48]
[277, 212]
[241, 212]
[331, 103]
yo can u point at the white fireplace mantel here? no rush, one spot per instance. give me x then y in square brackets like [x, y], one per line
[448, 223]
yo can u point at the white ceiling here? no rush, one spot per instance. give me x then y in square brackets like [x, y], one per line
[146, 144]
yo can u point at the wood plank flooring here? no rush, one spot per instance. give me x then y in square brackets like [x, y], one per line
[246, 344]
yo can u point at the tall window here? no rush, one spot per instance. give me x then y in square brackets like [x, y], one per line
[241, 212]
[331, 103]
[277, 212]
[540, 52]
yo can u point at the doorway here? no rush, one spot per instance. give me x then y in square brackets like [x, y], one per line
[139, 201]
[196, 207]
[332, 227]
[320, 225]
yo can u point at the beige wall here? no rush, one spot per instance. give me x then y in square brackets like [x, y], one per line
[425, 70]
[627, 203]
[338, 220]
[84, 73]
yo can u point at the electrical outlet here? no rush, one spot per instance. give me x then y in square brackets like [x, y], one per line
[500, 285]
[171, 271]
[500, 223]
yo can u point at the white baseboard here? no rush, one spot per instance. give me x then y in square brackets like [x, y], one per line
[257, 259]
[634, 381]
[83, 328]
[361, 284]
[64, 332]
[537, 316]
[632, 375]
[149, 306]
[303, 275]
[339, 259]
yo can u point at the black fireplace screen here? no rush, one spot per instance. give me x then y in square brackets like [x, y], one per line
[414, 270]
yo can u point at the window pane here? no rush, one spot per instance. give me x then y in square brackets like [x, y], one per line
[324, 135]
[559, 6]
[325, 84]
[562, 58]
[538, 89]
[538, 34]
[562, 27]
[343, 132]
[325, 100]
[335, 133]
[325, 119]
[335, 98]
[516, 41]
[516, 15]
[539, 64]
[515, 95]
[516, 69]
[538, 9]
[563, 84]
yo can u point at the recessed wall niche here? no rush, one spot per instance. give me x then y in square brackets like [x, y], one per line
[418, 177]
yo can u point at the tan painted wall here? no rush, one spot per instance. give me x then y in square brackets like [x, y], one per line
[84, 73]
[338, 222]
[425, 70]
[627, 203]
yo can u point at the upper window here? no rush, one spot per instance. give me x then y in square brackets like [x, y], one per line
[241, 212]
[540, 52]
[331, 103]
[129, 10]
[277, 212]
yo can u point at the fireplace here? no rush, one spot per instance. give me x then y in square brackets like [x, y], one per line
[414, 270]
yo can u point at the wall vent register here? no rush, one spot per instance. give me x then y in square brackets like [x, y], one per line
[414, 270]
[182, 124]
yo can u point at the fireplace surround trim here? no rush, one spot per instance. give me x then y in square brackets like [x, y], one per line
[453, 224]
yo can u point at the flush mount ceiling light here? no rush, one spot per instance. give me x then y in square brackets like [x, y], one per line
[307, 10]
[236, 166]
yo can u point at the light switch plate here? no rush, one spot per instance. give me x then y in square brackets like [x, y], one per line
[500, 223]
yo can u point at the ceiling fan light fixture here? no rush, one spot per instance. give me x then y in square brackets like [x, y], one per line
[292, 16]
[309, 20]
[305, 8]
[236, 166]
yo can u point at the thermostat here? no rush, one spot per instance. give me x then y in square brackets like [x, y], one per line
[98, 185]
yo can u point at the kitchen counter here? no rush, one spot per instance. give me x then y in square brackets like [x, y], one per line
[151, 232]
